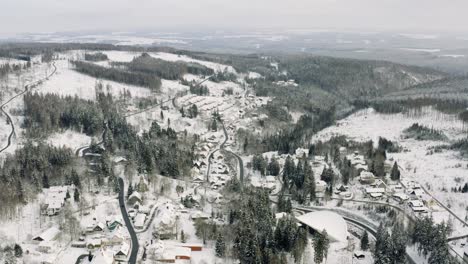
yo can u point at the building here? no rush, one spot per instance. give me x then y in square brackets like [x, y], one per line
[121, 254]
[139, 221]
[418, 207]
[48, 235]
[54, 201]
[172, 253]
[134, 198]
[366, 177]
[400, 197]
[95, 227]
[333, 223]
[199, 215]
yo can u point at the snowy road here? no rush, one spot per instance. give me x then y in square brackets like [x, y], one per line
[26, 89]
[128, 223]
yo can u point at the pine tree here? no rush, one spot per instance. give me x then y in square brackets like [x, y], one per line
[398, 244]
[273, 167]
[19, 191]
[365, 241]
[76, 195]
[309, 179]
[220, 246]
[129, 190]
[395, 174]
[75, 179]
[182, 237]
[45, 181]
[18, 251]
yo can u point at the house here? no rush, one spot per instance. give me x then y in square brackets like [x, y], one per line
[95, 227]
[376, 195]
[139, 221]
[117, 237]
[172, 253]
[400, 197]
[375, 191]
[199, 215]
[366, 177]
[95, 242]
[48, 235]
[417, 192]
[379, 184]
[122, 252]
[54, 201]
[416, 203]
[134, 198]
[320, 186]
[46, 246]
[113, 222]
[103, 256]
[418, 206]
[300, 152]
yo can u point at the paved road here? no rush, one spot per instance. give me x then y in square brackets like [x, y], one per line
[128, 223]
[26, 89]
[241, 162]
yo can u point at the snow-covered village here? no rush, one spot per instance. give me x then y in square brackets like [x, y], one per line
[221, 145]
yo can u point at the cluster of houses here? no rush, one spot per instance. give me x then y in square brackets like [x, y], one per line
[405, 192]
[55, 199]
[138, 212]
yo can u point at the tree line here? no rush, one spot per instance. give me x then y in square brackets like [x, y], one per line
[118, 75]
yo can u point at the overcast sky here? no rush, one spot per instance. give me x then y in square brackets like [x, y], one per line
[18, 16]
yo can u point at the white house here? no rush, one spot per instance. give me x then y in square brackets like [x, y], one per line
[122, 252]
[139, 220]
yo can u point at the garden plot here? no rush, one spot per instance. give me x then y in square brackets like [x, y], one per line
[437, 172]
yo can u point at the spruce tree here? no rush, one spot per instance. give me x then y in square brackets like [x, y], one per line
[220, 246]
[18, 251]
[76, 196]
[365, 241]
[395, 174]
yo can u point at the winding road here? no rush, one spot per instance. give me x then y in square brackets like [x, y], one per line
[26, 89]
[128, 223]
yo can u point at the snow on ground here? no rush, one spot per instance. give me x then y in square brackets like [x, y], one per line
[438, 172]
[217, 89]
[174, 57]
[11, 61]
[70, 139]
[121, 56]
[170, 87]
[67, 82]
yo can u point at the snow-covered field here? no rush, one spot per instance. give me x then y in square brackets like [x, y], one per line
[438, 172]
[70, 139]
[67, 82]
[174, 57]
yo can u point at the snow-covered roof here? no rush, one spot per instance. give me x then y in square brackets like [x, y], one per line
[280, 215]
[124, 249]
[320, 183]
[103, 257]
[333, 223]
[48, 234]
[416, 203]
[375, 190]
[401, 196]
[140, 220]
[173, 252]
